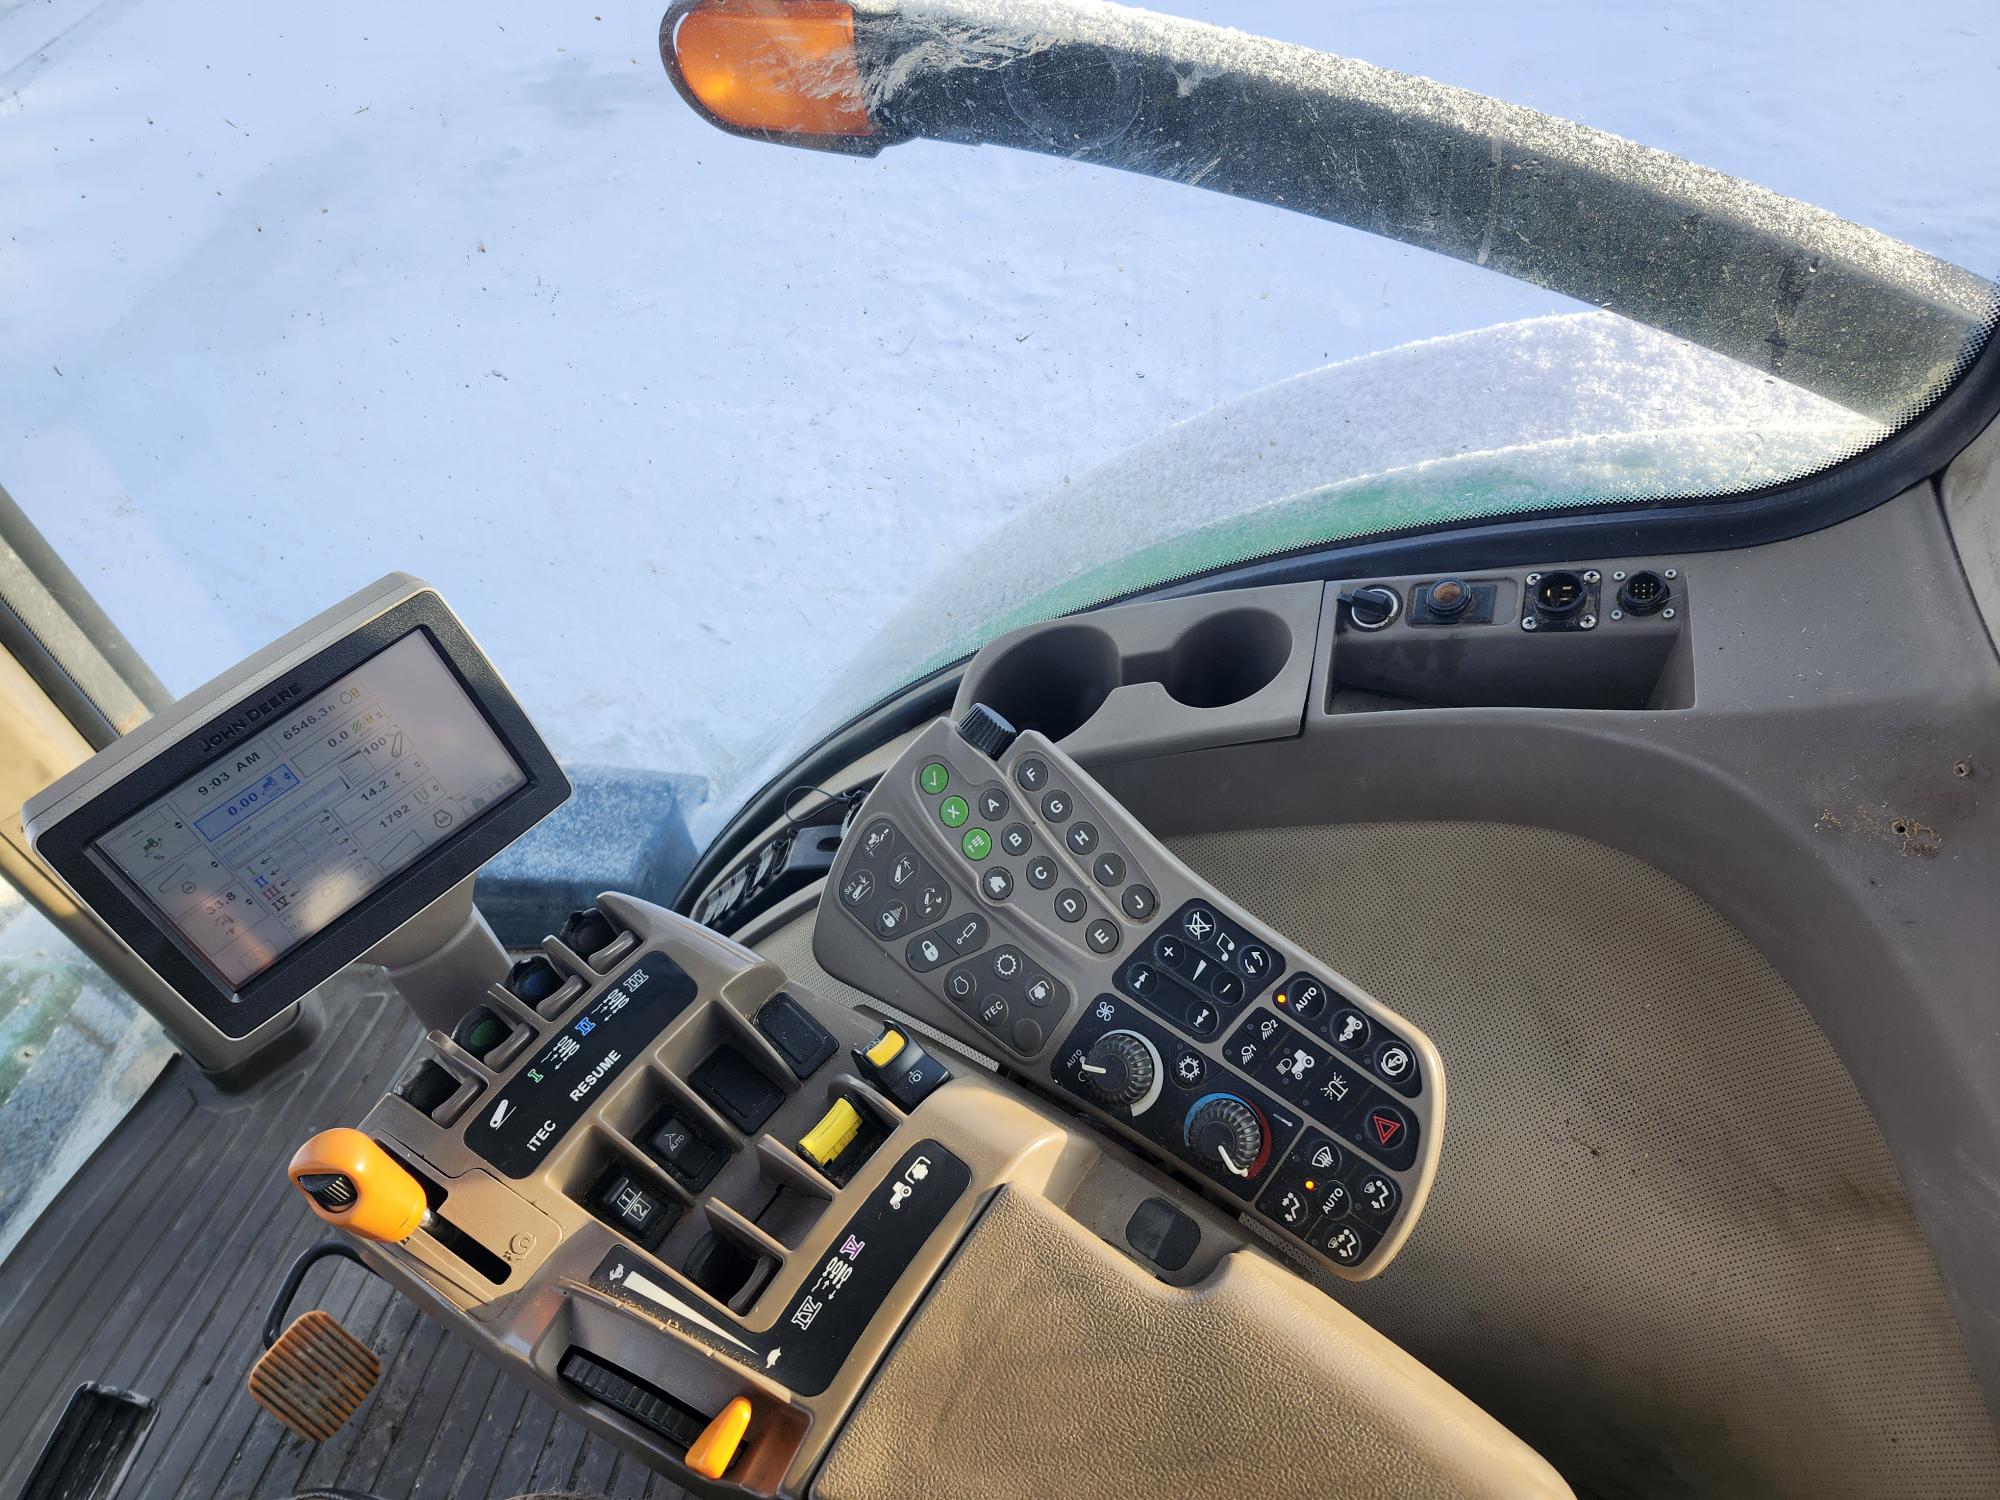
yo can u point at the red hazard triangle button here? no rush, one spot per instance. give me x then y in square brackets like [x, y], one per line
[1387, 1127]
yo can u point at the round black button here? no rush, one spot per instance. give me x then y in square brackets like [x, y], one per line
[1082, 838]
[1189, 1069]
[1139, 902]
[1070, 905]
[1303, 997]
[996, 884]
[1254, 959]
[1027, 1035]
[1349, 1030]
[1170, 950]
[1376, 1194]
[876, 841]
[1107, 868]
[1041, 990]
[903, 871]
[858, 887]
[960, 984]
[1015, 839]
[932, 900]
[1395, 1063]
[993, 804]
[892, 919]
[1032, 774]
[1345, 1246]
[993, 1013]
[1198, 922]
[1102, 935]
[1056, 806]
[1226, 987]
[1041, 872]
[1005, 963]
[1332, 1200]
[1141, 979]
[1203, 1018]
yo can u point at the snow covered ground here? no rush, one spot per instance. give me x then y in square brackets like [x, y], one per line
[290, 296]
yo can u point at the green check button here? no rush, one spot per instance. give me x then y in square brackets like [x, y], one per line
[977, 843]
[934, 778]
[953, 811]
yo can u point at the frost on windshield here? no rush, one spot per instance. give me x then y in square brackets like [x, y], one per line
[1537, 415]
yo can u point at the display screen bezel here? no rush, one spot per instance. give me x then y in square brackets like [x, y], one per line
[71, 847]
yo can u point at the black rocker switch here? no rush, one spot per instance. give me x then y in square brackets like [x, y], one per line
[788, 1026]
[741, 1095]
[626, 1204]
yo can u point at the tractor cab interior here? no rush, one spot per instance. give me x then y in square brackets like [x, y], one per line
[1499, 1005]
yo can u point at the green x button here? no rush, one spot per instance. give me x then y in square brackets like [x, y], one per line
[934, 778]
[953, 811]
[977, 843]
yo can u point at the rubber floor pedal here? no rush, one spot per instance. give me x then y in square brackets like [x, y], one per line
[315, 1377]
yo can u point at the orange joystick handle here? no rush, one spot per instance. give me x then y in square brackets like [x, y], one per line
[355, 1185]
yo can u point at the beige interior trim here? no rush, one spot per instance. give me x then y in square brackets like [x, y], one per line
[1046, 1363]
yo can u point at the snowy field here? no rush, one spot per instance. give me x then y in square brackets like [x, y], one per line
[290, 296]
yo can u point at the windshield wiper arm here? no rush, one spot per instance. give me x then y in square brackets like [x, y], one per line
[1844, 311]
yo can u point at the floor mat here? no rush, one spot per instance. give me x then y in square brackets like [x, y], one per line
[152, 1270]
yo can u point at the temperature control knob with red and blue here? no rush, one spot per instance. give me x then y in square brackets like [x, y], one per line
[1226, 1127]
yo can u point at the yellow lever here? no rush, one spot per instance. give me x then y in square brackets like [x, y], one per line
[885, 1047]
[355, 1185]
[718, 1442]
[835, 1132]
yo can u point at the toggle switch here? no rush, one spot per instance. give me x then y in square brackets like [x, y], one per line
[834, 1133]
[901, 1068]
[353, 1184]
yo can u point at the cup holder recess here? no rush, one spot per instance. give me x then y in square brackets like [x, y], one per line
[1054, 680]
[1226, 658]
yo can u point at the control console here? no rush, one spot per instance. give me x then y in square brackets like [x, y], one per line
[991, 888]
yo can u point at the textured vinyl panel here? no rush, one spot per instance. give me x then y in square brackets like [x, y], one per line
[153, 1268]
[1667, 1245]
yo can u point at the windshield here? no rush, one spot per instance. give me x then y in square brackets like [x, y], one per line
[714, 443]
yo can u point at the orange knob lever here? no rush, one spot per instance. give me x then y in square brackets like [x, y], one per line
[355, 1185]
[718, 1442]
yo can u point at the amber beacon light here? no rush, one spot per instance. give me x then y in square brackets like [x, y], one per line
[782, 69]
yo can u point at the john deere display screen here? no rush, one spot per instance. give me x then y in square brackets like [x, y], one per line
[320, 799]
[278, 823]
